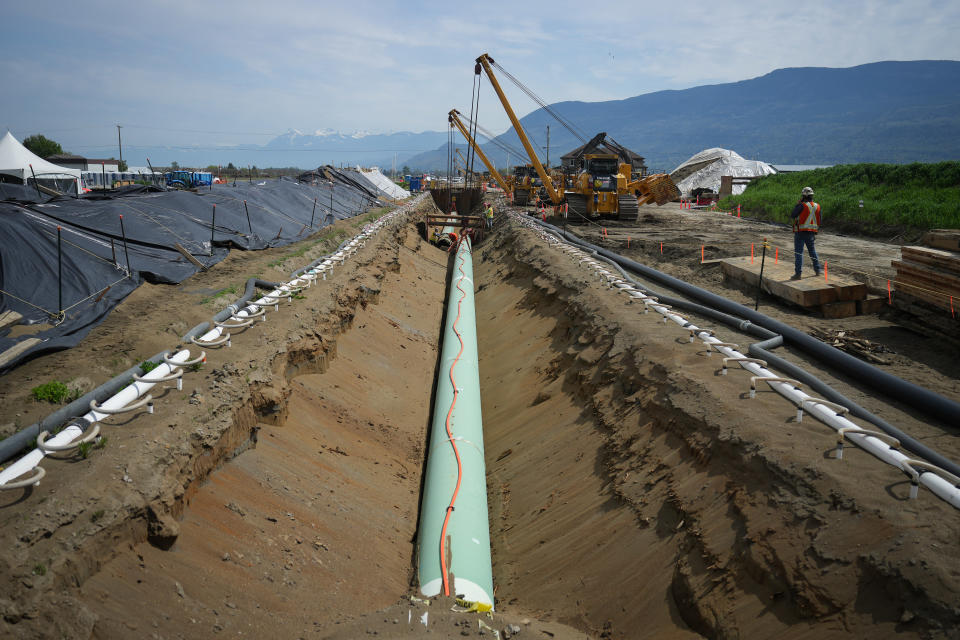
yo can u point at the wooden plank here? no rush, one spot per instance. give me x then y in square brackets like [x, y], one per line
[922, 293]
[871, 304]
[17, 349]
[936, 278]
[948, 239]
[945, 260]
[186, 254]
[841, 309]
[810, 291]
[9, 318]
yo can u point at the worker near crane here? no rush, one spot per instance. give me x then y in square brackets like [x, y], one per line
[806, 223]
[488, 214]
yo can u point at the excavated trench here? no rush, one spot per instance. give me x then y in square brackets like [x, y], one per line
[632, 491]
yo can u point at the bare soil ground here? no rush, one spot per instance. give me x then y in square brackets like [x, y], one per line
[633, 491]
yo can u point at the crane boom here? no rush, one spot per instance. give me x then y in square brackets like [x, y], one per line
[484, 61]
[454, 118]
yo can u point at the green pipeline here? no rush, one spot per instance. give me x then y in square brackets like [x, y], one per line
[466, 546]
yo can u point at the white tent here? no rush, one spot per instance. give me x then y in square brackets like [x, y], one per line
[703, 170]
[385, 184]
[16, 160]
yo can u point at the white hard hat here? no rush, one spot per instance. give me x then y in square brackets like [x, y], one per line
[807, 191]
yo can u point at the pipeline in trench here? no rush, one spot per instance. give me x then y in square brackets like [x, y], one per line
[630, 489]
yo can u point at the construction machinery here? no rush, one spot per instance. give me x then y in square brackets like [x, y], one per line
[610, 181]
[484, 63]
[601, 178]
[454, 119]
[188, 179]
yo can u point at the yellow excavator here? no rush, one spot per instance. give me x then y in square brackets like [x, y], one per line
[484, 63]
[605, 183]
[454, 119]
[610, 181]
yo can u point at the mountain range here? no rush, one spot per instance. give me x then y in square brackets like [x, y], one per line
[891, 112]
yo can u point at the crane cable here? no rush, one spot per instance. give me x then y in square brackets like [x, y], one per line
[451, 439]
[569, 126]
[474, 110]
[492, 138]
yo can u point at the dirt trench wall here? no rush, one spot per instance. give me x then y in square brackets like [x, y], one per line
[631, 487]
[136, 489]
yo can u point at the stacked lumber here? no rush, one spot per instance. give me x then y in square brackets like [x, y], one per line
[948, 239]
[838, 297]
[930, 275]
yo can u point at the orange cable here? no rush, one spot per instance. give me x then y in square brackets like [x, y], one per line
[453, 443]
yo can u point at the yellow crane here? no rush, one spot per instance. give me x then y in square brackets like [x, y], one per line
[454, 118]
[484, 62]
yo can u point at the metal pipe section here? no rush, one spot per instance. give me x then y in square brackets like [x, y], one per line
[454, 537]
[924, 400]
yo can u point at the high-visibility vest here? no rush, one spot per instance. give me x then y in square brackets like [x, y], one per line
[490, 212]
[809, 218]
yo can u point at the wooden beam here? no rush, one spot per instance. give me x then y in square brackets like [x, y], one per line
[17, 349]
[9, 318]
[808, 292]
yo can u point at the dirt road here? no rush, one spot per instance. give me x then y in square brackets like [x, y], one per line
[632, 490]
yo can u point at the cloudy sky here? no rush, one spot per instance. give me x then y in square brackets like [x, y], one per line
[241, 72]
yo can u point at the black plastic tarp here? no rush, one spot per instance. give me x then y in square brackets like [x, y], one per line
[96, 249]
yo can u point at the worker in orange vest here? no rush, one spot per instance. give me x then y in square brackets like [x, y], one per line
[806, 223]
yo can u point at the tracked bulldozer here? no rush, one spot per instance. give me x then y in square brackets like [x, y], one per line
[607, 180]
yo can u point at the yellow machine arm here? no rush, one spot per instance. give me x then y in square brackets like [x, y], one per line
[454, 118]
[484, 61]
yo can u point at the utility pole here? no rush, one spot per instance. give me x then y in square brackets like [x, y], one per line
[120, 142]
[548, 146]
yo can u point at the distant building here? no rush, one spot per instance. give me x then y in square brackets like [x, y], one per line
[110, 165]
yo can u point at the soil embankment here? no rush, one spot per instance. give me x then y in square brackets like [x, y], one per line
[633, 491]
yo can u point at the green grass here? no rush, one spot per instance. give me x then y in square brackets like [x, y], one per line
[908, 199]
[54, 392]
[231, 290]
[146, 367]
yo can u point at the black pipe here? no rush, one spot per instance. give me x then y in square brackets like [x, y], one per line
[14, 444]
[313, 212]
[249, 226]
[125, 250]
[772, 340]
[924, 400]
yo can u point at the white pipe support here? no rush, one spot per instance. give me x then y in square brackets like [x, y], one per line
[717, 343]
[200, 342]
[124, 397]
[174, 363]
[145, 400]
[695, 332]
[87, 436]
[840, 409]
[234, 325]
[842, 432]
[32, 481]
[723, 371]
[255, 313]
[771, 380]
[176, 375]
